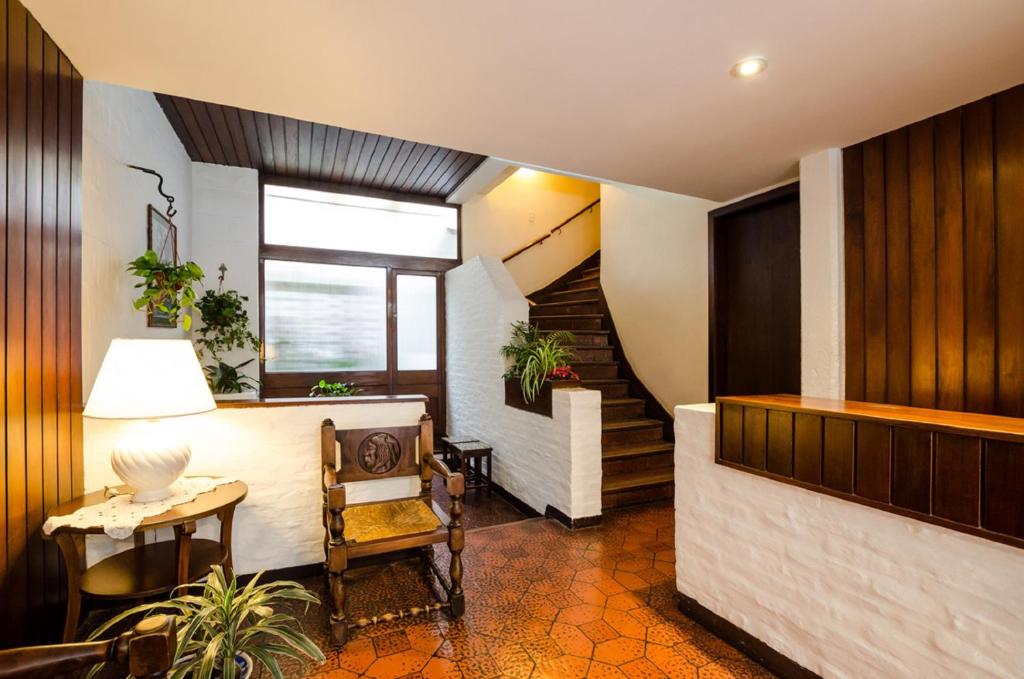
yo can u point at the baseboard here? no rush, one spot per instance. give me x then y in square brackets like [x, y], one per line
[524, 508]
[287, 573]
[751, 646]
[572, 524]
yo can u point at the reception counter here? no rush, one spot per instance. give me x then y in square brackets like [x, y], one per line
[782, 548]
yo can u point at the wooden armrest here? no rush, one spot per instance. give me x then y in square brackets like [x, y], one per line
[149, 649]
[330, 476]
[454, 481]
[439, 466]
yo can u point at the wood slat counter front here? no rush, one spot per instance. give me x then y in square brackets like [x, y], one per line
[963, 471]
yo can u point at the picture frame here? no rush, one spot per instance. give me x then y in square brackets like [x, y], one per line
[161, 238]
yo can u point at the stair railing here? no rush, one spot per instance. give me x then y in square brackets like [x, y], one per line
[552, 232]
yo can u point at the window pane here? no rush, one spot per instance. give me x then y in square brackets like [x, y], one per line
[417, 322]
[337, 221]
[324, 317]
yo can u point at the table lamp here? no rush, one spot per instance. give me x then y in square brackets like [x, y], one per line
[149, 381]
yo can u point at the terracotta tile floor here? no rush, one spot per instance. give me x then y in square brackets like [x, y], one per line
[541, 602]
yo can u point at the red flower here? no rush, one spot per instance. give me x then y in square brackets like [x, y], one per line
[563, 372]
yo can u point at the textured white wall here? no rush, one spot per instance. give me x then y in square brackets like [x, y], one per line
[121, 125]
[276, 451]
[844, 590]
[543, 461]
[823, 356]
[654, 273]
[225, 229]
[524, 206]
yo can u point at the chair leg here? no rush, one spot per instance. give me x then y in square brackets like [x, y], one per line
[336, 594]
[456, 543]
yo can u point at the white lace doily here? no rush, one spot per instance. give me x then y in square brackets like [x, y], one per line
[119, 516]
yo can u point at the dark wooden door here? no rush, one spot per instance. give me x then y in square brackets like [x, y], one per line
[755, 295]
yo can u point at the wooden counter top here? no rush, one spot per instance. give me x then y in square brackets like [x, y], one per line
[962, 471]
[994, 426]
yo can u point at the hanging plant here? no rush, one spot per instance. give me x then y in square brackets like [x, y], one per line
[166, 287]
[225, 321]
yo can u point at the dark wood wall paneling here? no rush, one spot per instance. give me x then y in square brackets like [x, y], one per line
[961, 471]
[225, 135]
[40, 145]
[935, 261]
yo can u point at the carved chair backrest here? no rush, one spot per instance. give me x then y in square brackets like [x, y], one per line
[376, 452]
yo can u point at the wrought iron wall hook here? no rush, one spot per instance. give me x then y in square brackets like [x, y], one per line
[171, 211]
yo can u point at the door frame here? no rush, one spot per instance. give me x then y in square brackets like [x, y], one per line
[772, 195]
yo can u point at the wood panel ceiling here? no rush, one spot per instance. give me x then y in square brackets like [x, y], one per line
[225, 135]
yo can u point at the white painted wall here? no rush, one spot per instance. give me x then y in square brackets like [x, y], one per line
[844, 590]
[654, 273]
[822, 318]
[121, 125]
[276, 451]
[542, 461]
[525, 206]
[225, 217]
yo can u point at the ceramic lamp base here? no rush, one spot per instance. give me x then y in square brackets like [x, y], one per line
[150, 458]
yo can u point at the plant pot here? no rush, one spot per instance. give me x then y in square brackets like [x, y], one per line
[250, 395]
[540, 405]
[245, 666]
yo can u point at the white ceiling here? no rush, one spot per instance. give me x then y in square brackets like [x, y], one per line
[636, 91]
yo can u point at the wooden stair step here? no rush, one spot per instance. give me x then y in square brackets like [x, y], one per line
[561, 293]
[637, 450]
[628, 425]
[618, 402]
[646, 478]
[558, 305]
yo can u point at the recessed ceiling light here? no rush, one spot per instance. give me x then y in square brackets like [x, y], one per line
[749, 67]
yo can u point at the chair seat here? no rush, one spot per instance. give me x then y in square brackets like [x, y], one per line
[385, 520]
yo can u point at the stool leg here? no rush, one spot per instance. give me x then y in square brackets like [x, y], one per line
[490, 464]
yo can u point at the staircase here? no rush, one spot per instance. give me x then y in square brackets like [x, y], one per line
[637, 459]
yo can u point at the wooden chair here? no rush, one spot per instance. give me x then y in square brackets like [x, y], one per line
[148, 649]
[384, 527]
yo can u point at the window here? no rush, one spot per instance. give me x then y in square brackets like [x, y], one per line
[338, 221]
[353, 291]
[324, 317]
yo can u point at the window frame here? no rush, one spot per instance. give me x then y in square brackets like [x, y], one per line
[390, 380]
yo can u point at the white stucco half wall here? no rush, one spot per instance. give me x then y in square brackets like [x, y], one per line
[844, 590]
[541, 460]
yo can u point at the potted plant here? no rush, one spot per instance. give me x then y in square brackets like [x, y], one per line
[537, 363]
[324, 389]
[166, 287]
[223, 629]
[225, 328]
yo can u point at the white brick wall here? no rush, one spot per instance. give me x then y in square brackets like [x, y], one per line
[844, 590]
[542, 461]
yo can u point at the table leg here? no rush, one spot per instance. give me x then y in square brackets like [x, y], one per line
[226, 517]
[490, 464]
[184, 539]
[72, 548]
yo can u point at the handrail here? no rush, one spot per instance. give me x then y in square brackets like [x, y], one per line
[549, 234]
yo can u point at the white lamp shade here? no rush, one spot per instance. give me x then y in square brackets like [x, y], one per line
[149, 379]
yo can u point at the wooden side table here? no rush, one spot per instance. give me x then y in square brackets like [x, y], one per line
[470, 456]
[147, 569]
[446, 446]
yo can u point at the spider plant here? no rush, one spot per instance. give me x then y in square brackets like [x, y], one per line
[533, 356]
[225, 620]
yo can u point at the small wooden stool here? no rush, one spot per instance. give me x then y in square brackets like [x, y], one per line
[475, 452]
[446, 446]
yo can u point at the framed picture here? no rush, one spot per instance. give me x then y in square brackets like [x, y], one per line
[161, 238]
